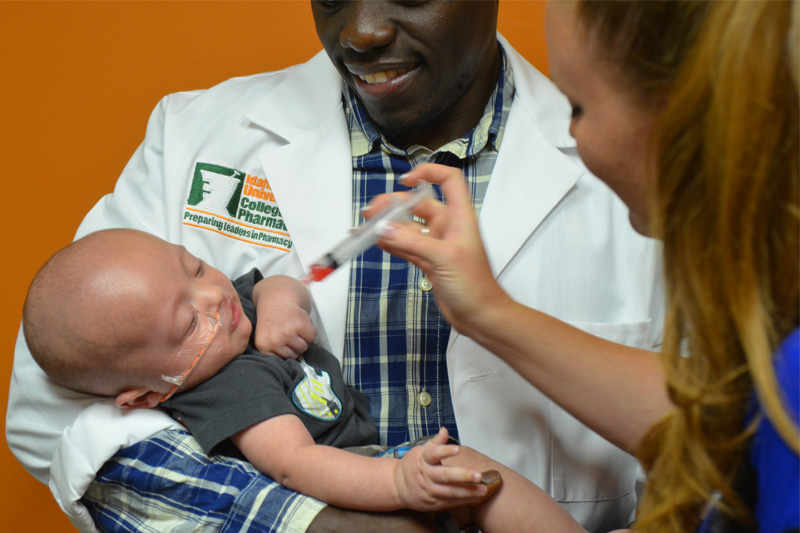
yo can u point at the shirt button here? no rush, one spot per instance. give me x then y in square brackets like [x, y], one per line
[424, 399]
[425, 284]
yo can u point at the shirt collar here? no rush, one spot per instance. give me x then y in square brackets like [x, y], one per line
[365, 137]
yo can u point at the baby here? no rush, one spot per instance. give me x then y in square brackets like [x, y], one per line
[124, 314]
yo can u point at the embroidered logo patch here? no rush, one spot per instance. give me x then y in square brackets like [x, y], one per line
[314, 395]
[236, 204]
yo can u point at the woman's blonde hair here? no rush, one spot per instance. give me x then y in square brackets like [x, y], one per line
[726, 205]
[645, 43]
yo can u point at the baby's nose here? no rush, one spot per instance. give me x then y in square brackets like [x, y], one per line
[212, 296]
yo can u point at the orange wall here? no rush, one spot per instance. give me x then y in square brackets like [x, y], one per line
[79, 80]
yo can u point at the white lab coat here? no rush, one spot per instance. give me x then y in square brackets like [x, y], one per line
[557, 237]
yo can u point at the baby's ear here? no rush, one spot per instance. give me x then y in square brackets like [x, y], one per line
[138, 399]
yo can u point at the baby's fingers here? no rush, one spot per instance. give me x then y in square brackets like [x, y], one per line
[298, 346]
[286, 352]
[434, 454]
[455, 476]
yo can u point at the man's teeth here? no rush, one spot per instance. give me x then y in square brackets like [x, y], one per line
[381, 77]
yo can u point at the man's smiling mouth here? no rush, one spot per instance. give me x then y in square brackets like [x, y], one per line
[377, 78]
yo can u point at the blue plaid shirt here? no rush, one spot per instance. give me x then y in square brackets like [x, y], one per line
[395, 345]
[396, 336]
[167, 483]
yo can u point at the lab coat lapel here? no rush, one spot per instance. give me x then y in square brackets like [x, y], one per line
[309, 169]
[532, 174]
[530, 178]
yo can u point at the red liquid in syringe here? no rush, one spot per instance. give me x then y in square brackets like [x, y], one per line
[318, 273]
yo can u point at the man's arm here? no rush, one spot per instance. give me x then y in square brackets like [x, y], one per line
[335, 520]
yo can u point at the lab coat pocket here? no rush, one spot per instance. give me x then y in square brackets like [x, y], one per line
[608, 473]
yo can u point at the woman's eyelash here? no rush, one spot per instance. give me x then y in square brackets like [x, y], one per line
[576, 111]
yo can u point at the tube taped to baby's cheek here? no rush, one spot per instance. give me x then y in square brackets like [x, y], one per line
[175, 380]
[195, 345]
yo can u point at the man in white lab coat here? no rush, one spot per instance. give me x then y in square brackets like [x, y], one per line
[271, 171]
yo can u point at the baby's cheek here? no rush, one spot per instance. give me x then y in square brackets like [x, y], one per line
[242, 337]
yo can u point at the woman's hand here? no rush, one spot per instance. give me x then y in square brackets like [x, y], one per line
[448, 248]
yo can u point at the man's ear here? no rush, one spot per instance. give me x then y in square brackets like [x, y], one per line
[138, 399]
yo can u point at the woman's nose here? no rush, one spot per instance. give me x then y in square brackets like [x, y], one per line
[367, 27]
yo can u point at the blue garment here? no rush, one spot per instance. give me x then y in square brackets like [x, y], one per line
[776, 465]
[175, 486]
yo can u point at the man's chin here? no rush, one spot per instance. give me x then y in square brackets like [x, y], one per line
[403, 132]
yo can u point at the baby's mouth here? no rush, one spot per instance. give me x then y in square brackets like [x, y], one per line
[229, 305]
[236, 314]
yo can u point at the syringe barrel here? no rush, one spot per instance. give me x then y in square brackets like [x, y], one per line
[369, 233]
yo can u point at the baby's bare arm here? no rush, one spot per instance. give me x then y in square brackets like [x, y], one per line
[284, 325]
[282, 448]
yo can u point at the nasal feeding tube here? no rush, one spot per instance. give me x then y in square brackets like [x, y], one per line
[367, 234]
[201, 340]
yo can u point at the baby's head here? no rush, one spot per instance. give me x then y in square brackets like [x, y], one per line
[116, 312]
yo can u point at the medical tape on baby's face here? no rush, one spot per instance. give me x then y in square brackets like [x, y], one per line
[194, 347]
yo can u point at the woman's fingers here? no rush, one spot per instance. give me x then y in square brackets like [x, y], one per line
[408, 242]
[454, 186]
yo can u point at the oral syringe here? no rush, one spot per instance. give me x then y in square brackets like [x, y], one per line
[367, 234]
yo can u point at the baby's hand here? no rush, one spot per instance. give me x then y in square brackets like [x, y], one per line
[285, 331]
[423, 483]
[283, 325]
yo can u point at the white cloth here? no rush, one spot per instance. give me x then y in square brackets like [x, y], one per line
[558, 240]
